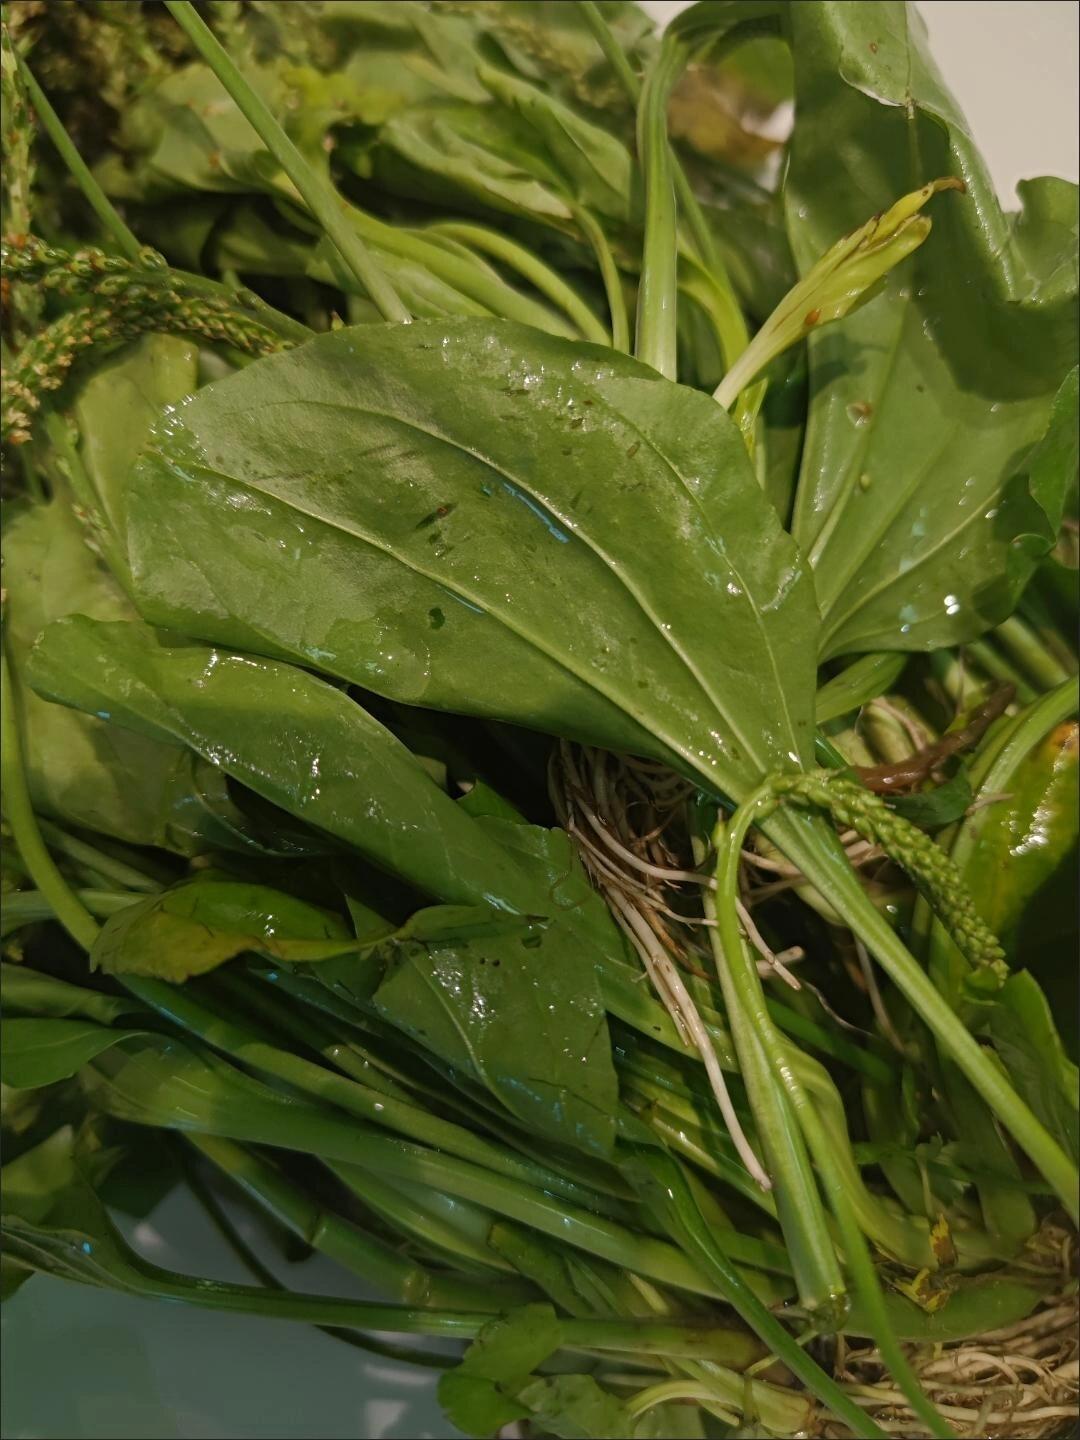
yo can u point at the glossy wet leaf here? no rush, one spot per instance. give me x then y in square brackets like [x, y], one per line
[296, 741]
[306, 746]
[496, 522]
[39, 1052]
[919, 505]
[197, 926]
[84, 770]
[509, 1009]
[1022, 867]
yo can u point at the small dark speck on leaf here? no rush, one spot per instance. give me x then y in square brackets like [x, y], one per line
[438, 619]
[873, 47]
[811, 317]
[438, 514]
[531, 942]
[577, 423]
[634, 448]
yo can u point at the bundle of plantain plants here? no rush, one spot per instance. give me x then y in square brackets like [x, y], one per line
[539, 692]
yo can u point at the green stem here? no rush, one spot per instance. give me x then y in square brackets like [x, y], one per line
[663, 1186]
[609, 273]
[378, 1265]
[807, 843]
[317, 193]
[68, 909]
[655, 340]
[688, 206]
[745, 986]
[802, 1217]
[183, 1006]
[124, 875]
[99, 202]
[1028, 651]
[533, 269]
[998, 667]
[401, 1354]
[27, 907]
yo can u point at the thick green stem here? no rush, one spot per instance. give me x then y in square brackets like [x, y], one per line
[655, 338]
[68, 909]
[864, 679]
[821, 1285]
[1028, 651]
[183, 1005]
[745, 985]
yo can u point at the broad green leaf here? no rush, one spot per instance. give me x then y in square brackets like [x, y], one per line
[489, 1006]
[478, 1396]
[490, 502]
[1021, 869]
[1027, 1040]
[119, 403]
[39, 1052]
[921, 504]
[82, 769]
[307, 746]
[198, 925]
[296, 741]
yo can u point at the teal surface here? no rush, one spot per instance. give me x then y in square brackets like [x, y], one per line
[84, 1364]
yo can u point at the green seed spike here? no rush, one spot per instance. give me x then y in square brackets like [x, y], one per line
[932, 870]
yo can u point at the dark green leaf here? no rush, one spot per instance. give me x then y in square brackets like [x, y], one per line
[39, 1052]
[942, 805]
[921, 505]
[82, 769]
[295, 740]
[305, 745]
[1028, 1042]
[34, 993]
[491, 1006]
[549, 485]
